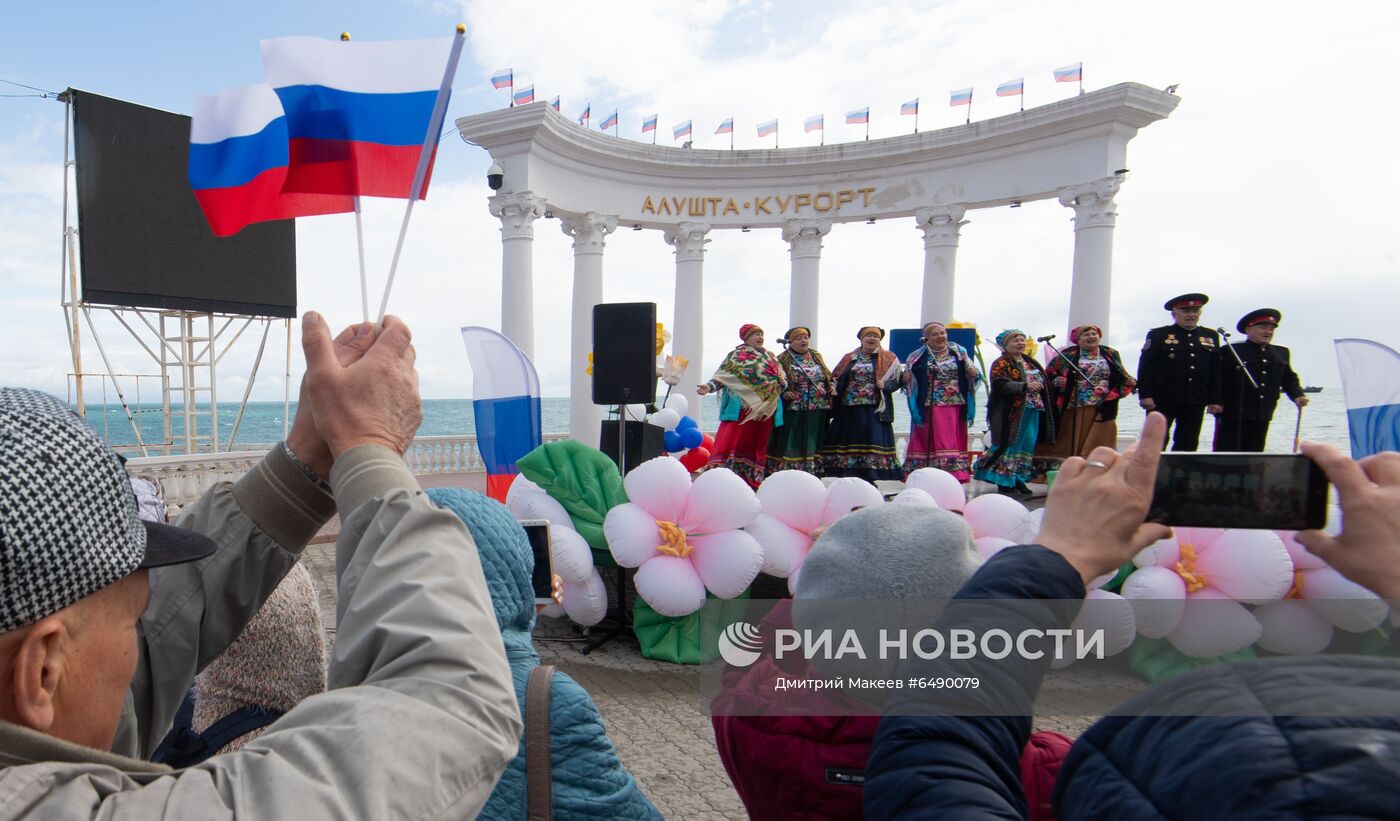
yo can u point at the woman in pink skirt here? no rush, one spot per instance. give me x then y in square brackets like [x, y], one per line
[941, 381]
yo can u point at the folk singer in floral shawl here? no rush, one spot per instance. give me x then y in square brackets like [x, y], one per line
[860, 438]
[941, 380]
[806, 406]
[751, 382]
[1018, 416]
[1088, 410]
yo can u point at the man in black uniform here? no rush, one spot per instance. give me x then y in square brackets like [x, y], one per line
[1242, 411]
[1175, 368]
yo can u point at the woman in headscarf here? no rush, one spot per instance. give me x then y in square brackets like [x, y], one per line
[806, 405]
[1089, 379]
[751, 383]
[1017, 416]
[941, 380]
[860, 438]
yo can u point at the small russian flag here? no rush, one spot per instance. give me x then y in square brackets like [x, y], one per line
[911, 107]
[962, 96]
[770, 127]
[649, 124]
[503, 78]
[525, 95]
[726, 127]
[859, 116]
[587, 112]
[681, 130]
[1070, 74]
[816, 122]
[554, 103]
[608, 121]
[1012, 88]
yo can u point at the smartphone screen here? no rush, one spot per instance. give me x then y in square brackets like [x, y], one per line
[542, 580]
[1239, 490]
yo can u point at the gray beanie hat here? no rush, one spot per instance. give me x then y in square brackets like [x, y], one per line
[890, 552]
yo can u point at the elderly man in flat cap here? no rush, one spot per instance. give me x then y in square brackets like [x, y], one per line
[105, 619]
[1174, 370]
[1243, 409]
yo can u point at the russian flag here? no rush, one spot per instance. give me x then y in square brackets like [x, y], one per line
[962, 96]
[238, 162]
[503, 78]
[1012, 88]
[554, 104]
[859, 116]
[770, 127]
[726, 127]
[505, 403]
[1371, 382]
[682, 130]
[524, 95]
[911, 107]
[608, 121]
[1070, 74]
[587, 112]
[359, 113]
[649, 124]
[816, 122]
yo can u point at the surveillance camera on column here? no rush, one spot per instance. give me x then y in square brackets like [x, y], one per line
[496, 176]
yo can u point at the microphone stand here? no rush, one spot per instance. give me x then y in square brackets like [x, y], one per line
[1239, 423]
[1069, 402]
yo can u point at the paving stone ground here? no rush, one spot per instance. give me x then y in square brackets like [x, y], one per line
[655, 713]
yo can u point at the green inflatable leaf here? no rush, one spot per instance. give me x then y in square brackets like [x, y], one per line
[677, 640]
[584, 481]
[1157, 660]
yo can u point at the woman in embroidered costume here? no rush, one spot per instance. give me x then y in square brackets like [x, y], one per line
[941, 380]
[1017, 416]
[860, 438]
[750, 406]
[806, 405]
[1088, 410]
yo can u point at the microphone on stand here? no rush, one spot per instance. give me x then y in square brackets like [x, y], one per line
[1044, 338]
[1224, 333]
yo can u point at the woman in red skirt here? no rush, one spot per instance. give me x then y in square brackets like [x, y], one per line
[750, 382]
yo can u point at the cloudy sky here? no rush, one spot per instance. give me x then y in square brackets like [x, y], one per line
[1270, 185]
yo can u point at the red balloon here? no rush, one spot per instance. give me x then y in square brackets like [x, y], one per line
[695, 458]
[708, 443]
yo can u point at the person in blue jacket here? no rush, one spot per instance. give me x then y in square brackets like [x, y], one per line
[1285, 737]
[587, 779]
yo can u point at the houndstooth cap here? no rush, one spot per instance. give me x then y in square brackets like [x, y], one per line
[68, 523]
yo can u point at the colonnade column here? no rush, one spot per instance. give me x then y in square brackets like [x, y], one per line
[517, 213]
[942, 225]
[804, 238]
[688, 327]
[1094, 217]
[588, 231]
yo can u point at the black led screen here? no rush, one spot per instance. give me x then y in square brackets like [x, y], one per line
[143, 239]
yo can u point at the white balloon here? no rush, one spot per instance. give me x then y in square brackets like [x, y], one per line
[670, 585]
[1290, 626]
[1247, 565]
[989, 546]
[586, 602]
[679, 404]
[992, 514]
[573, 559]
[1213, 625]
[637, 412]
[783, 547]
[1343, 602]
[1110, 613]
[1032, 529]
[847, 494]
[666, 418]
[1161, 553]
[1158, 596]
[943, 486]
[914, 496]
[794, 497]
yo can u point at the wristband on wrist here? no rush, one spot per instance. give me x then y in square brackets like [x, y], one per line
[305, 468]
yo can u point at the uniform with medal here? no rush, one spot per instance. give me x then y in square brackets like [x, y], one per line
[1243, 411]
[1175, 370]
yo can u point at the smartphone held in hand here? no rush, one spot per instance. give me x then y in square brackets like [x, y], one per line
[542, 580]
[1239, 490]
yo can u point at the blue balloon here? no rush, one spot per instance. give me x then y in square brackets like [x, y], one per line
[691, 437]
[687, 422]
[673, 441]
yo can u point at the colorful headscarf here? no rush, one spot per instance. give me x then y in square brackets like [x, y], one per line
[1007, 334]
[746, 329]
[1074, 334]
[860, 335]
[787, 337]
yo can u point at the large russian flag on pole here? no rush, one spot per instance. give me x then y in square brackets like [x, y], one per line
[238, 162]
[506, 404]
[358, 113]
[1371, 382]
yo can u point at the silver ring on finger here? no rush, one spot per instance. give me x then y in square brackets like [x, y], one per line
[1095, 463]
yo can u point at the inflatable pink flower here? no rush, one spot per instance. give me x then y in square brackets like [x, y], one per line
[796, 507]
[1319, 600]
[685, 537]
[1191, 587]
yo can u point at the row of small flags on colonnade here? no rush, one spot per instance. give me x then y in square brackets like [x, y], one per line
[505, 78]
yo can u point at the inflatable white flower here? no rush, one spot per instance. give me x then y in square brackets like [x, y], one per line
[685, 537]
[1319, 600]
[1191, 588]
[795, 506]
[584, 597]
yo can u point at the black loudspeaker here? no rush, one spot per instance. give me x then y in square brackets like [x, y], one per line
[624, 353]
[644, 441]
